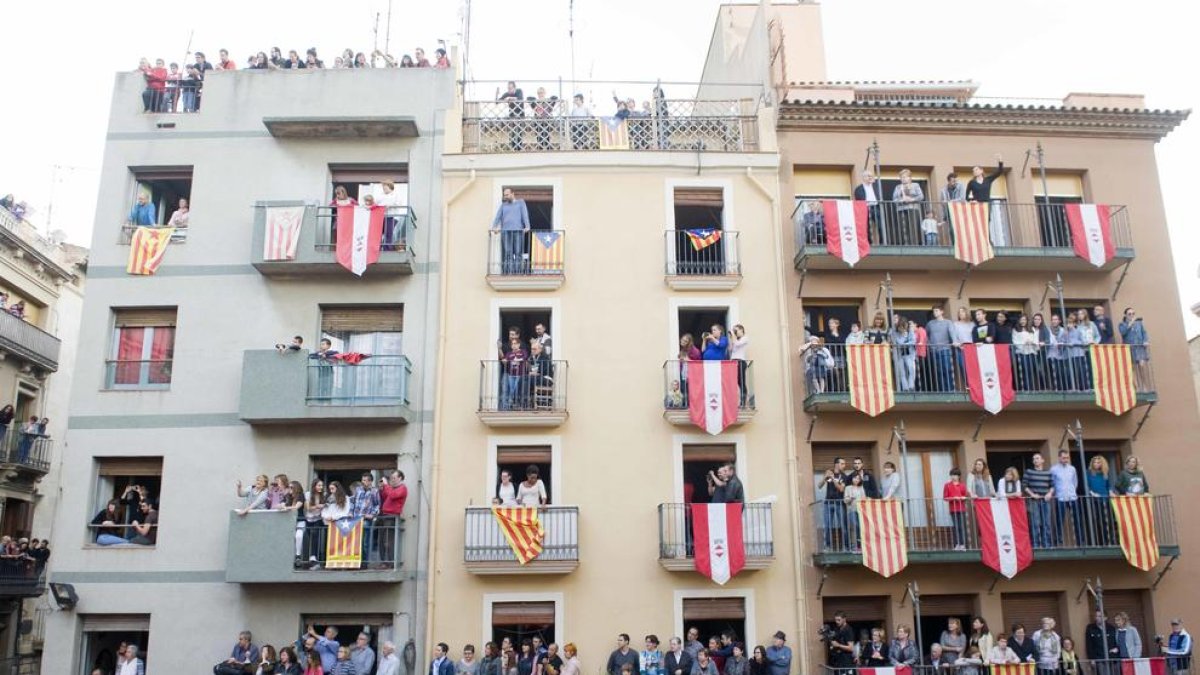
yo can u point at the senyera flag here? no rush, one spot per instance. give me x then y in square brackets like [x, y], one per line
[521, 529]
[969, 222]
[869, 374]
[1152, 666]
[283, 232]
[1004, 540]
[717, 533]
[884, 545]
[1091, 232]
[898, 670]
[359, 234]
[846, 229]
[1135, 527]
[1112, 371]
[146, 249]
[989, 375]
[712, 394]
[1014, 669]
[343, 549]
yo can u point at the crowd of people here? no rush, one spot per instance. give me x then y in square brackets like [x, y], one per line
[528, 380]
[1044, 356]
[131, 519]
[16, 309]
[321, 505]
[313, 653]
[714, 345]
[1052, 494]
[1105, 644]
[126, 661]
[17, 208]
[169, 89]
[31, 430]
[21, 557]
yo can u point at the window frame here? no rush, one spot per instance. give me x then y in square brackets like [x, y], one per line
[555, 491]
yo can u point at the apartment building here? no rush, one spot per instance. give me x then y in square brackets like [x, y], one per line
[182, 393]
[42, 280]
[1088, 148]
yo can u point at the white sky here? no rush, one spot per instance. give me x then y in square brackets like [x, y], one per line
[60, 58]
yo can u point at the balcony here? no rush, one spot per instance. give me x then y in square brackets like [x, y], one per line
[1050, 378]
[486, 551]
[676, 552]
[316, 245]
[695, 263]
[26, 341]
[522, 395]
[929, 531]
[526, 261]
[675, 393]
[21, 578]
[262, 549]
[546, 126]
[291, 388]
[1025, 237]
[26, 452]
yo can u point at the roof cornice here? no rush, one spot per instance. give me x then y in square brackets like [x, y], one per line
[936, 118]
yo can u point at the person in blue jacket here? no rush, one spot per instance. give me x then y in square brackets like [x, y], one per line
[715, 344]
[143, 213]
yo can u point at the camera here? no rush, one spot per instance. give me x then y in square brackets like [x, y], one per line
[825, 633]
[1158, 639]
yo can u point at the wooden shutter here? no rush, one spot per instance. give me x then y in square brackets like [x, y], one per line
[699, 196]
[1060, 184]
[709, 453]
[517, 613]
[366, 174]
[822, 182]
[516, 454]
[116, 622]
[163, 173]
[130, 466]
[363, 319]
[856, 608]
[533, 193]
[375, 620]
[823, 455]
[134, 317]
[354, 462]
[948, 605]
[1028, 609]
[1133, 603]
[707, 609]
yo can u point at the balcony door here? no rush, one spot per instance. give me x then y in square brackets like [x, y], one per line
[695, 246]
[926, 470]
[714, 616]
[520, 621]
[377, 333]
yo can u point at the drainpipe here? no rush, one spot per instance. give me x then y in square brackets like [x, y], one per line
[439, 388]
[790, 423]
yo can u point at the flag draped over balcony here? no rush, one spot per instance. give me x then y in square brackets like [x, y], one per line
[546, 252]
[884, 544]
[717, 533]
[1091, 233]
[282, 232]
[1112, 370]
[359, 235]
[869, 374]
[521, 529]
[898, 670]
[1135, 527]
[712, 394]
[703, 238]
[846, 229]
[614, 134]
[146, 249]
[1004, 541]
[969, 223]
[343, 548]
[989, 375]
[1151, 666]
[1014, 669]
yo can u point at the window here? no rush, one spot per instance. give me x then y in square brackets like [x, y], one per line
[127, 483]
[1132, 602]
[348, 469]
[17, 520]
[937, 610]
[811, 186]
[693, 248]
[715, 616]
[27, 308]
[517, 460]
[1028, 609]
[378, 627]
[696, 321]
[863, 612]
[526, 322]
[991, 307]
[387, 183]
[924, 473]
[817, 315]
[143, 348]
[361, 180]
[367, 329]
[1064, 188]
[103, 635]
[166, 189]
[378, 374]
[519, 621]
[539, 200]
[698, 461]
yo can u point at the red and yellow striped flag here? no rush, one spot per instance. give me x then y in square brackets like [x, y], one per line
[1014, 669]
[869, 372]
[884, 544]
[343, 548]
[522, 529]
[1135, 525]
[146, 249]
[969, 222]
[1112, 370]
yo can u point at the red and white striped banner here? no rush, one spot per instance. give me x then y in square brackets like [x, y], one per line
[359, 235]
[1091, 232]
[1135, 527]
[717, 533]
[282, 232]
[989, 375]
[969, 222]
[884, 544]
[1152, 666]
[1112, 372]
[898, 670]
[869, 372]
[1014, 669]
[846, 229]
[712, 394]
[1004, 541]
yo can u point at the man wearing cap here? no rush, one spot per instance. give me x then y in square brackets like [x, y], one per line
[779, 655]
[1179, 648]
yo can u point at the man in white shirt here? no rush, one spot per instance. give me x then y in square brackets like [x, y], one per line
[390, 663]
[540, 335]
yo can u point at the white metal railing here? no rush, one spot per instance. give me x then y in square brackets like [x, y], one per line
[484, 542]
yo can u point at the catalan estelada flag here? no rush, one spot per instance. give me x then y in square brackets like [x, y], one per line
[343, 547]
[702, 239]
[614, 134]
[546, 252]
[522, 529]
[1013, 669]
[969, 222]
[869, 373]
[1135, 526]
[146, 249]
[1112, 371]
[884, 544]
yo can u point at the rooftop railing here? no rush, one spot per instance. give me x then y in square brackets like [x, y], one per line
[378, 380]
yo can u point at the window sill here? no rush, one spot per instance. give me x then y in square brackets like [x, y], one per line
[119, 547]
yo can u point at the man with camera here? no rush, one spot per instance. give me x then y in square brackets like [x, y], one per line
[834, 482]
[839, 640]
[1178, 648]
[724, 487]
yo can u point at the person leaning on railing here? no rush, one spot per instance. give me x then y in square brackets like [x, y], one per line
[1001, 654]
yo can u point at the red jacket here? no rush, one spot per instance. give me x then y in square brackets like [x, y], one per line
[393, 499]
[156, 78]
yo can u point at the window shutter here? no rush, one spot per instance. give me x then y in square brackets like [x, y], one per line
[368, 174]
[533, 193]
[135, 317]
[355, 462]
[822, 182]
[1028, 609]
[709, 453]
[523, 455]
[129, 466]
[163, 173]
[823, 455]
[360, 319]
[1132, 602]
[856, 608]
[699, 196]
[1060, 185]
[348, 620]
[517, 613]
[704, 609]
[948, 605]
[133, 623]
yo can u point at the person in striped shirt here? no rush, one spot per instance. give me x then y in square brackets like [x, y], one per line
[1039, 489]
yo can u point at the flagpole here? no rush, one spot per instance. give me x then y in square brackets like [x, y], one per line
[914, 591]
[1041, 158]
[902, 438]
[883, 239]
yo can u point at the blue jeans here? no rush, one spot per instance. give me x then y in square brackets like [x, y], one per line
[1061, 508]
[835, 520]
[1040, 524]
[906, 370]
[512, 248]
[368, 526]
[110, 540]
[189, 99]
[511, 392]
[943, 369]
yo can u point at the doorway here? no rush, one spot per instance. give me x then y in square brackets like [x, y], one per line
[926, 470]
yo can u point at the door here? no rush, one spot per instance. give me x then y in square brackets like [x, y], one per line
[928, 515]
